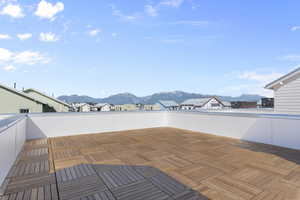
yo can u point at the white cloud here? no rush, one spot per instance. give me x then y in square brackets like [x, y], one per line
[94, 32]
[30, 58]
[47, 10]
[261, 78]
[118, 13]
[2, 2]
[172, 3]
[295, 28]
[25, 57]
[24, 36]
[48, 37]
[251, 82]
[9, 68]
[291, 57]
[14, 11]
[237, 90]
[5, 55]
[151, 11]
[191, 22]
[4, 37]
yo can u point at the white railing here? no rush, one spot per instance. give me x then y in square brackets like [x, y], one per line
[12, 138]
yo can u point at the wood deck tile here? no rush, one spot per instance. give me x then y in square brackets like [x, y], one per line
[91, 166]
[140, 190]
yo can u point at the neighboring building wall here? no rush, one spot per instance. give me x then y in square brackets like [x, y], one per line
[85, 108]
[243, 104]
[187, 107]
[57, 106]
[287, 97]
[152, 107]
[13, 103]
[126, 107]
[105, 108]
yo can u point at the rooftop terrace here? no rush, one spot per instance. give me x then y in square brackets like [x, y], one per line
[150, 155]
[105, 166]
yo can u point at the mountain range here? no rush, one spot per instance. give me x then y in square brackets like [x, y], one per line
[128, 98]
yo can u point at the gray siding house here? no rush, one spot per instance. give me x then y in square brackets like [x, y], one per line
[13, 101]
[53, 103]
[287, 93]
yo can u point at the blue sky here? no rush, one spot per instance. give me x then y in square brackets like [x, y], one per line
[103, 47]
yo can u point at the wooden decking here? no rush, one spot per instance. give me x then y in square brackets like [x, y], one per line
[160, 163]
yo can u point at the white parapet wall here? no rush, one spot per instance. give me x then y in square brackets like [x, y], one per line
[65, 124]
[275, 129]
[280, 130]
[12, 139]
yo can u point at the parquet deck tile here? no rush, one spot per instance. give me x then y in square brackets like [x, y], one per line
[167, 184]
[99, 156]
[60, 164]
[142, 190]
[82, 187]
[133, 159]
[255, 176]
[65, 153]
[189, 195]
[199, 173]
[293, 177]
[233, 188]
[118, 177]
[154, 164]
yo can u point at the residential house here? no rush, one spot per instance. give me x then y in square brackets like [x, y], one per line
[226, 104]
[168, 105]
[140, 106]
[13, 101]
[202, 103]
[243, 104]
[287, 93]
[126, 107]
[101, 107]
[152, 107]
[82, 107]
[267, 102]
[55, 104]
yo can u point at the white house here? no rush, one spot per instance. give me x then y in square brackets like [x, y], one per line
[287, 93]
[202, 103]
[82, 107]
[102, 107]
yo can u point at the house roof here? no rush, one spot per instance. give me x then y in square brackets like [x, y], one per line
[101, 104]
[284, 79]
[196, 102]
[226, 103]
[20, 93]
[199, 101]
[42, 94]
[81, 104]
[168, 103]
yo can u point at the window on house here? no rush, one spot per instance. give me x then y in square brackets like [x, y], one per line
[24, 110]
[215, 105]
